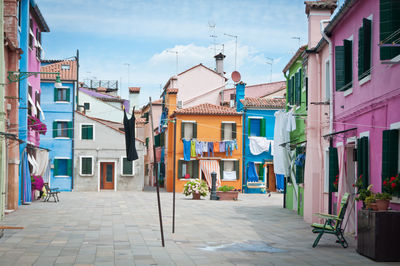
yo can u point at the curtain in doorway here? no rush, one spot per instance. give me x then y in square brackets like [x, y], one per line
[209, 166]
[26, 179]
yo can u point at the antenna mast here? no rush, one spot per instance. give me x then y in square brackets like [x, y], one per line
[211, 25]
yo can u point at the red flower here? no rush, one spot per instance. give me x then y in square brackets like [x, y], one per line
[393, 185]
[392, 179]
[384, 183]
[353, 185]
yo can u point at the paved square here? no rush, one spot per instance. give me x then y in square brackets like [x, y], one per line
[122, 228]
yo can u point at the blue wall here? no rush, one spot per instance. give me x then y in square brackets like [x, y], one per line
[58, 147]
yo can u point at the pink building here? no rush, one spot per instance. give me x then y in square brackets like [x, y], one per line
[366, 94]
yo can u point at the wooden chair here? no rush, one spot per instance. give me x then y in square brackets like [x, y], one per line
[51, 192]
[333, 224]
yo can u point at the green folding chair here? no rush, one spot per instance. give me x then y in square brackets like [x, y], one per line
[333, 224]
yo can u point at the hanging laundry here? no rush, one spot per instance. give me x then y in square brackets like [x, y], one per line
[280, 180]
[193, 148]
[281, 136]
[216, 146]
[205, 146]
[291, 123]
[300, 159]
[230, 145]
[259, 145]
[210, 149]
[162, 154]
[272, 148]
[252, 173]
[129, 127]
[222, 146]
[186, 149]
[199, 149]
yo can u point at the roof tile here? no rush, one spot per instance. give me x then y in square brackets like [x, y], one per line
[134, 89]
[65, 74]
[265, 103]
[206, 109]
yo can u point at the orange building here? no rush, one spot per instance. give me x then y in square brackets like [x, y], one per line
[204, 123]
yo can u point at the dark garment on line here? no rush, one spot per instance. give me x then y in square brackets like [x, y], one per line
[129, 126]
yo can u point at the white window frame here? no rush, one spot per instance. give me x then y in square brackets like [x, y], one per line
[80, 165]
[228, 122]
[64, 88]
[62, 120]
[187, 122]
[87, 124]
[237, 172]
[122, 167]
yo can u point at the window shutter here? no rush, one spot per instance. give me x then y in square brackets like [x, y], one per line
[222, 131]
[348, 61]
[67, 94]
[306, 93]
[83, 132]
[69, 167]
[127, 166]
[194, 130]
[55, 170]
[333, 167]
[221, 169]
[289, 91]
[389, 23]
[183, 130]
[339, 67]
[363, 160]
[262, 128]
[292, 91]
[70, 129]
[237, 169]
[361, 53]
[90, 132]
[83, 165]
[261, 172]
[390, 144]
[298, 99]
[90, 165]
[54, 129]
[179, 175]
[248, 123]
[55, 94]
[233, 130]
[195, 168]
[367, 45]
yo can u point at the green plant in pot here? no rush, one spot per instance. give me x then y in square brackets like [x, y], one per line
[196, 188]
[370, 202]
[383, 200]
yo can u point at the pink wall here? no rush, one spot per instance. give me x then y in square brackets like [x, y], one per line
[373, 106]
[34, 66]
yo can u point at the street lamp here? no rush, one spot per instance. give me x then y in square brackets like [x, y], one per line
[16, 76]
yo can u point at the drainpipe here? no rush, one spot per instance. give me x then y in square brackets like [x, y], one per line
[330, 74]
[3, 146]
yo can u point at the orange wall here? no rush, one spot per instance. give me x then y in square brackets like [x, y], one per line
[208, 129]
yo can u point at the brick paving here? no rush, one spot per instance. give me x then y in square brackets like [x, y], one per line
[121, 228]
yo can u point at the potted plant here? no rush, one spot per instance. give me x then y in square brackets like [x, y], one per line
[35, 124]
[227, 193]
[362, 193]
[383, 200]
[196, 188]
[392, 185]
[370, 202]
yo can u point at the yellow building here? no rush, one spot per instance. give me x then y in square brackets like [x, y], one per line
[204, 123]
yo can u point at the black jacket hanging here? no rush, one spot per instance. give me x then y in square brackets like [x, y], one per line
[129, 126]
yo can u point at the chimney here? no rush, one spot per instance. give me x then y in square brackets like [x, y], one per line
[240, 88]
[219, 64]
[317, 11]
[134, 96]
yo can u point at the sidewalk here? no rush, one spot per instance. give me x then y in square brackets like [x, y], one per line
[122, 228]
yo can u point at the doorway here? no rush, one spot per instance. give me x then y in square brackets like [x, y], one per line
[107, 178]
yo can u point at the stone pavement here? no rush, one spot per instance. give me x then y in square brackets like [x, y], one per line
[122, 228]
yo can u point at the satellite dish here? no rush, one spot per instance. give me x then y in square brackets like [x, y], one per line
[235, 76]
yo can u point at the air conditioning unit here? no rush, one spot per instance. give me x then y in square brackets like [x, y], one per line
[180, 104]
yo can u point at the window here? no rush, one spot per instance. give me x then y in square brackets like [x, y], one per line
[364, 49]
[343, 65]
[19, 13]
[86, 106]
[363, 160]
[30, 105]
[62, 129]
[333, 167]
[297, 88]
[390, 153]
[61, 94]
[62, 167]
[327, 80]
[127, 167]
[389, 16]
[188, 130]
[299, 165]
[190, 168]
[37, 104]
[228, 131]
[31, 36]
[256, 127]
[229, 170]
[291, 89]
[87, 131]
[86, 165]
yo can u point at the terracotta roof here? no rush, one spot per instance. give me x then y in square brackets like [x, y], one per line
[172, 91]
[257, 90]
[206, 109]
[65, 74]
[101, 89]
[294, 58]
[321, 4]
[201, 65]
[134, 89]
[106, 99]
[141, 120]
[265, 103]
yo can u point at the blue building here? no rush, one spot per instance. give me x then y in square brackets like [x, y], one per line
[258, 135]
[58, 107]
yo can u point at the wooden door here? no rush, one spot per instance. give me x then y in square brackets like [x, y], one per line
[271, 178]
[107, 175]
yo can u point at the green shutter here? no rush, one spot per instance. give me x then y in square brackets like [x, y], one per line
[69, 167]
[195, 168]
[68, 93]
[179, 175]
[348, 61]
[298, 98]
[55, 94]
[90, 132]
[289, 91]
[367, 45]
[333, 167]
[339, 67]
[84, 132]
[70, 128]
[126, 167]
[292, 91]
[261, 172]
[221, 168]
[183, 130]
[363, 160]
[147, 142]
[54, 129]
[234, 130]
[361, 53]
[262, 128]
[389, 23]
[194, 130]
[222, 131]
[390, 144]
[55, 170]
[248, 127]
[237, 169]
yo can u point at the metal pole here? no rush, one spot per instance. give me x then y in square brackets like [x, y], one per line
[3, 146]
[213, 195]
[174, 176]
[156, 170]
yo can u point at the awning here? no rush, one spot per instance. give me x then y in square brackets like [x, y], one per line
[33, 105]
[40, 110]
[207, 167]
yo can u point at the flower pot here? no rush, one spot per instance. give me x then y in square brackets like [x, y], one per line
[373, 206]
[382, 205]
[196, 196]
[228, 195]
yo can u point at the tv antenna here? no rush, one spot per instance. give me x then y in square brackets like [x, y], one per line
[236, 37]
[211, 25]
[270, 62]
[297, 38]
[174, 52]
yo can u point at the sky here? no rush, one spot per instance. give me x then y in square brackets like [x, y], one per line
[135, 41]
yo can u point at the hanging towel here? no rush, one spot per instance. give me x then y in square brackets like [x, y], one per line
[210, 149]
[291, 122]
[129, 127]
[199, 149]
[221, 146]
[229, 175]
[186, 149]
[281, 136]
[259, 145]
[42, 161]
[216, 146]
[193, 148]
[205, 146]
[207, 167]
[272, 148]
[252, 173]
[279, 182]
